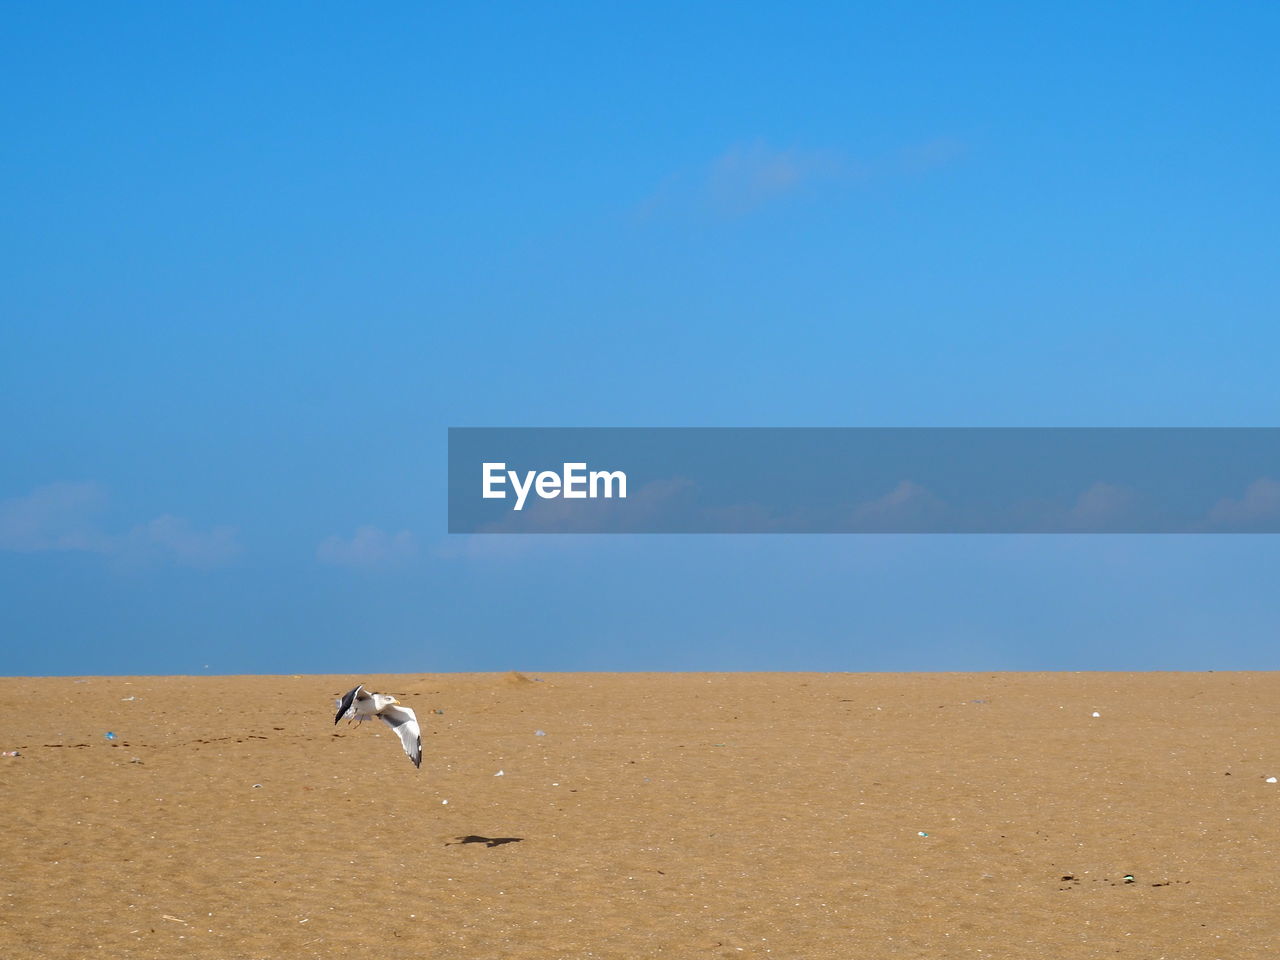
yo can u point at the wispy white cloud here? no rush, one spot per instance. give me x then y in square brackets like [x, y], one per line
[1259, 507]
[65, 517]
[369, 547]
[57, 516]
[908, 506]
[1103, 506]
[173, 538]
[747, 176]
[750, 175]
[919, 158]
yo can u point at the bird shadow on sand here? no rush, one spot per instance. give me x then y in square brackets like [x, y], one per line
[487, 841]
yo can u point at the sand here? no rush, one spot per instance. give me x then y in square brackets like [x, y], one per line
[660, 815]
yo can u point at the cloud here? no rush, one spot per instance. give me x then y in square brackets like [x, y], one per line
[172, 538]
[750, 175]
[1259, 508]
[1104, 506]
[369, 547]
[921, 158]
[58, 516]
[747, 176]
[64, 517]
[907, 507]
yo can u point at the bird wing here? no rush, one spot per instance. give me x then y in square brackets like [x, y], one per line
[347, 700]
[405, 723]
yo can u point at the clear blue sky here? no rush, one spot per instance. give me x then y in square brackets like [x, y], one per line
[257, 258]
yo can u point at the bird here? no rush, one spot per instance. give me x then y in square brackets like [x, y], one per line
[359, 705]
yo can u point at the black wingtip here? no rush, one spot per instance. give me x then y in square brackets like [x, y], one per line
[345, 703]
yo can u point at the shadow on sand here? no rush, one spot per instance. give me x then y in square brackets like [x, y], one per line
[487, 841]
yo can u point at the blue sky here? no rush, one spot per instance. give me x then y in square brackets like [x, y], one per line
[258, 258]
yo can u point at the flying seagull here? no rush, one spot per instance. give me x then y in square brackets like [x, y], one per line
[359, 705]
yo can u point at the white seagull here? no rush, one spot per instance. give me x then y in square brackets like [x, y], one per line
[359, 705]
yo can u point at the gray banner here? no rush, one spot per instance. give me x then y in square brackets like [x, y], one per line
[864, 480]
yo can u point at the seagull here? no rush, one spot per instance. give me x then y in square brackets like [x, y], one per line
[359, 705]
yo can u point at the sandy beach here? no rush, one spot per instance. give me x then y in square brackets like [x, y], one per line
[656, 815]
